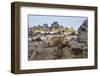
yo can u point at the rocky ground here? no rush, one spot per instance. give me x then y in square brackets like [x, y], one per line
[38, 50]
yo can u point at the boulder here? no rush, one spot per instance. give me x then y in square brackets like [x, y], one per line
[83, 32]
[55, 41]
[36, 39]
[74, 45]
[29, 39]
[77, 47]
